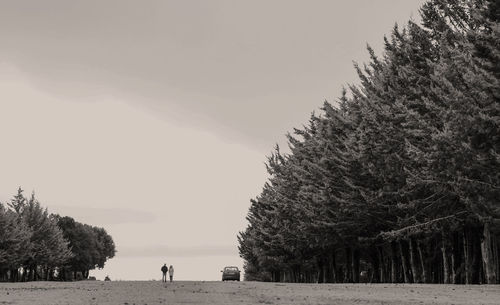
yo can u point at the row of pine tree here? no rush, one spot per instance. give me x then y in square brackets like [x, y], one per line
[399, 181]
[36, 245]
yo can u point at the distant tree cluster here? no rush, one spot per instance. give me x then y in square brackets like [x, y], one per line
[36, 245]
[399, 181]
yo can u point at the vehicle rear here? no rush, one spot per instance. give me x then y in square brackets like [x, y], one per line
[231, 274]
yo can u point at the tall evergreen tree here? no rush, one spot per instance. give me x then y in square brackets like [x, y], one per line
[14, 242]
[401, 178]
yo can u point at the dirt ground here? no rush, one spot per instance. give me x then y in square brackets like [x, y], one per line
[141, 293]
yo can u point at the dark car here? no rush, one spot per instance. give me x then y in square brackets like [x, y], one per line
[230, 274]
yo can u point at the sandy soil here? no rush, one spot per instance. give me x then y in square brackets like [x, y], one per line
[140, 293]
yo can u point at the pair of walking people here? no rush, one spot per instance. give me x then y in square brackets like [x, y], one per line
[169, 270]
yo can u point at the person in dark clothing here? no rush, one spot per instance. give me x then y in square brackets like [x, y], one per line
[164, 270]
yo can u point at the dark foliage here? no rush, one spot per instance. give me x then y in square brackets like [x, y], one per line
[35, 245]
[400, 180]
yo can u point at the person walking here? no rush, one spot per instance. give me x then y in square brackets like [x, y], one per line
[171, 272]
[164, 270]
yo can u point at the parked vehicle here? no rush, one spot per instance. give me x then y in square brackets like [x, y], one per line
[230, 273]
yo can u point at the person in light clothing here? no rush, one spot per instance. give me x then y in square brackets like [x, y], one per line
[171, 272]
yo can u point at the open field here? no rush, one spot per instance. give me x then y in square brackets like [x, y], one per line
[140, 293]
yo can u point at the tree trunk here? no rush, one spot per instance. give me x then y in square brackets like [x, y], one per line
[374, 275]
[403, 263]
[394, 278]
[333, 267]
[476, 269]
[325, 273]
[446, 270]
[467, 265]
[455, 257]
[355, 265]
[422, 263]
[497, 258]
[348, 265]
[381, 265]
[329, 267]
[488, 256]
[321, 271]
[413, 263]
[452, 262]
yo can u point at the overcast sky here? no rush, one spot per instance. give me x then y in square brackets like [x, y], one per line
[152, 119]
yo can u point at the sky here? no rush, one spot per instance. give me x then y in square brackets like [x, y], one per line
[153, 119]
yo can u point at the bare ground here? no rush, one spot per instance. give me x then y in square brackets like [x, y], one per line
[141, 293]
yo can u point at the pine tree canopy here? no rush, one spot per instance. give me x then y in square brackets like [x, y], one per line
[401, 176]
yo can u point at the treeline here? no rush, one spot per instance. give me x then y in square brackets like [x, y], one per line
[400, 180]
[36, 245]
